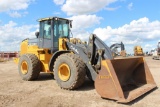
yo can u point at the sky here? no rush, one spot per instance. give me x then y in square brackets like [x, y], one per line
[133, 22]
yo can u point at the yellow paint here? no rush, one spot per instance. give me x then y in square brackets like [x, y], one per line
[42, 57]
[16, 60]
[123, 53]
[62, 44]
[24, 47]
[104, 76]
[104, 63]
[76, 40]
[138, 50]
[24, 67]
[42, 54]
[64, 72]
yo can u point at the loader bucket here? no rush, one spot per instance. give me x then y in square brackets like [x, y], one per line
[124, 80]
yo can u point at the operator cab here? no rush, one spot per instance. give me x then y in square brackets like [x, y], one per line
[51, 29]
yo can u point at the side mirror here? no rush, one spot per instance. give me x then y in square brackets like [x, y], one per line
[37, 34]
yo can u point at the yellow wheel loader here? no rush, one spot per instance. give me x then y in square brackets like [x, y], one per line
[138, 51]
[70, 60]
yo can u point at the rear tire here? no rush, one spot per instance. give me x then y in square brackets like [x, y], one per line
[29, 67]
[69, 71]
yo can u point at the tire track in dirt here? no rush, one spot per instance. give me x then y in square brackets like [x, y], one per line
[7, 100]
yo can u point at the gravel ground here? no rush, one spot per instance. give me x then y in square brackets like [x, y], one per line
[44, 92]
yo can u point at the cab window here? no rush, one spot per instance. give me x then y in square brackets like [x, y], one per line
[45, 31]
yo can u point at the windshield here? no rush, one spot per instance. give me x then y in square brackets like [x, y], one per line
[61, 28]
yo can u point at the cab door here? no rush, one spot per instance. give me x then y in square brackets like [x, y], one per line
[45, 35]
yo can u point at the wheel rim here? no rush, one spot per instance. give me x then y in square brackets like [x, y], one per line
[24, 67]
[64, 72]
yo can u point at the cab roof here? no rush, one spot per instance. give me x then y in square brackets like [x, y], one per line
[49, 18]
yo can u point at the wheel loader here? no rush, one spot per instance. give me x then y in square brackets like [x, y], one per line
[138, 51]
[70, 60]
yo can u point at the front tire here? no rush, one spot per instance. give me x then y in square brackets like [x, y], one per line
[69, 71]
[29, 67]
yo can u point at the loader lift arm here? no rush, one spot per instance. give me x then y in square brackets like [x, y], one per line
[96, 50]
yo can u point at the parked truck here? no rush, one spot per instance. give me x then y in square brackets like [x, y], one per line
[156, 52]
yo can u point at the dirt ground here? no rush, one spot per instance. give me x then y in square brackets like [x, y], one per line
[44, 92]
